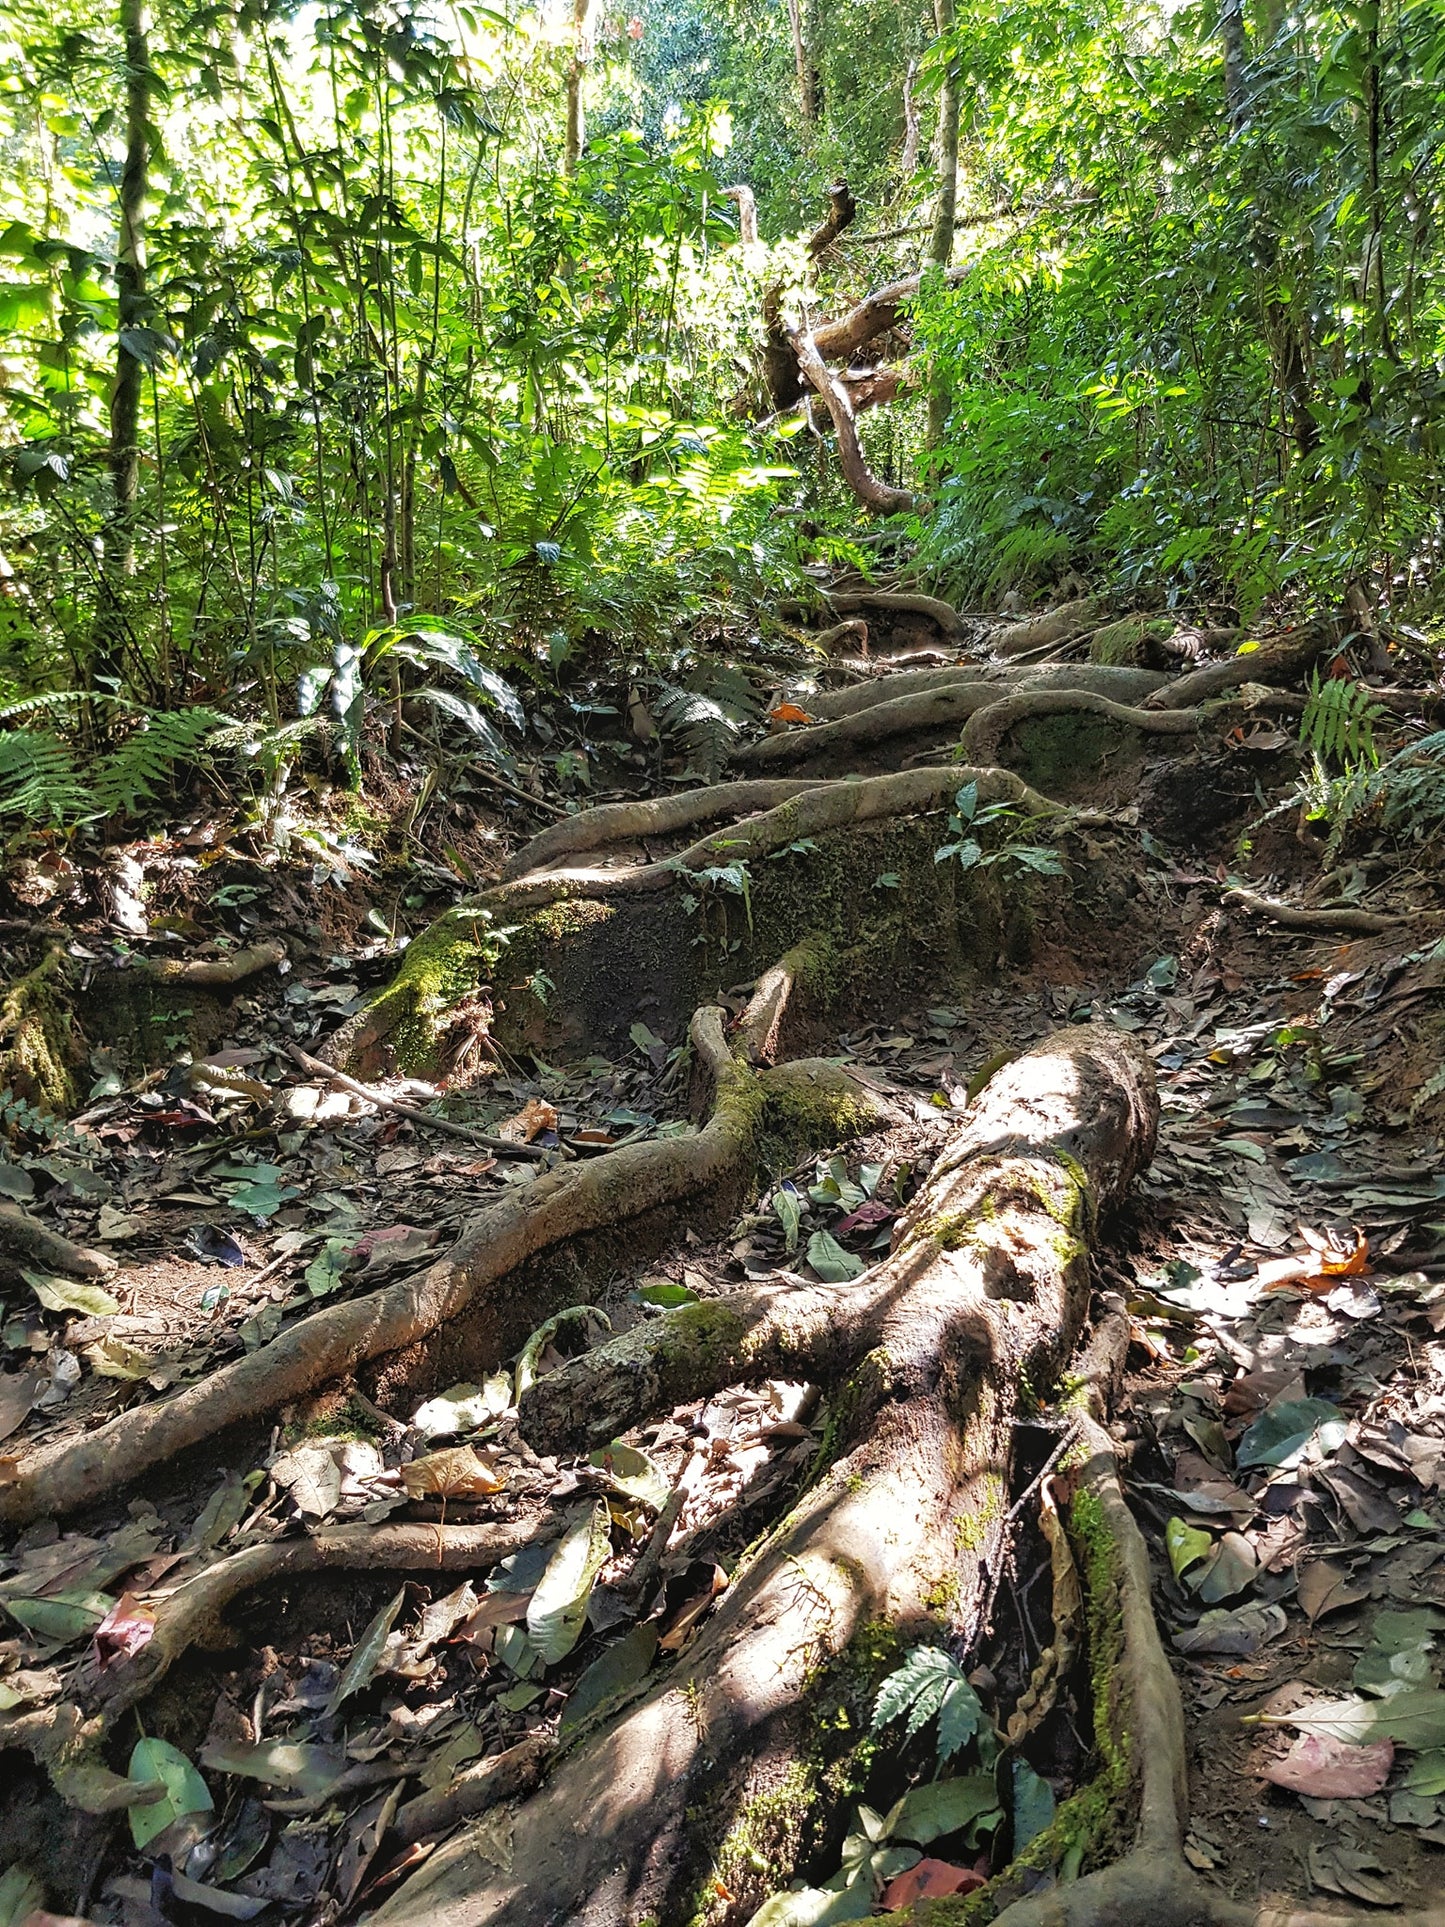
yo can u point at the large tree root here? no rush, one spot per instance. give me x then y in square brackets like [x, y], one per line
[987, 1290]
[1124, 683]
[942, 698]
[985, 730]
[1273, 663]
[900, 602]
[330, 1344]
[811, 812]
[657, 816]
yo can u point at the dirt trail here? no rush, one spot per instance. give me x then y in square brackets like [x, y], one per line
[1277, 1264]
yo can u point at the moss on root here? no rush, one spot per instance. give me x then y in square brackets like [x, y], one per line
[39, 1048]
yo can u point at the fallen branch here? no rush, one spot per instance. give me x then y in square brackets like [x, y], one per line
[475, 1789]
[1369, 923]
[840, 340]
[879, 497]
[26, 1241]
[508, 1147]
[1279, 661]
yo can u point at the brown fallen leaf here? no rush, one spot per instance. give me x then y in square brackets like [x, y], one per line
[1327, 1586]
[1326, 1769]
[459, 1472]
[535, 1116]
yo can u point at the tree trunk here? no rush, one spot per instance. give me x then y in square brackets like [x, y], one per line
[940, 241]
[118, 538]
[908, 160]
[803, 22]
[581, 54]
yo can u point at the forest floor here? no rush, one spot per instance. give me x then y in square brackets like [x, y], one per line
[1283, 1423]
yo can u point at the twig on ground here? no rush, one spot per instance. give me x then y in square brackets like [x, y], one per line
[369, 1093]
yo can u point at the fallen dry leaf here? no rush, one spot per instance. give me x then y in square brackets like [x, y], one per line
[1326, 1769]
[460, 1472]
[535, 1116]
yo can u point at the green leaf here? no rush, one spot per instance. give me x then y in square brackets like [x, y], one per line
[557, 1610]
[945, 1806]
[930, 1683]
[363, 1662]
[833, 1264]
[327, 1268]
[61, 1616]
[1186, 1545]
[1280, 1434]
[185, 1790]
[1427, 1774]
[668, 1296]
[1033, 1805]
[633, 1473]
[1415, 1718]
[293, 1764]
[66, 1294]
[21, 1894]
[624, 1663]
[789, 1214]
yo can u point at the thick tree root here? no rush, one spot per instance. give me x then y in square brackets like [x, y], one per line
[234, 969]
[1273, 663]
[657, 816]
[986, 728]
[987, 1290]
[897, 602]
[331, 1343]
[812, 812]
[26, 1241]
[1123, 683]
[1070, 619]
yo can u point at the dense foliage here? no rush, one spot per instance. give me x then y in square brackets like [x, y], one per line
[355, 351]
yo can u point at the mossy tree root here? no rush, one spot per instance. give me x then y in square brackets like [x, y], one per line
[331, 1343]
[988, 1291]
[609, 823]
[762, 1026]
[38, 1048]
[985, 730]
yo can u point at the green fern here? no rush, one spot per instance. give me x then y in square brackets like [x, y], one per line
[705, 713]
[1339, 721]
[137, 770]
[39, 781]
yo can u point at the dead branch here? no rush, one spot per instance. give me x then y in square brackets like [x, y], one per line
[747, 206]
[841, 210]
[476, 1789]
[1278, 661]
[233, 969]
[879, 497]
[842, 339]
[26, 1241]
[1369, 923]
[508, 1147]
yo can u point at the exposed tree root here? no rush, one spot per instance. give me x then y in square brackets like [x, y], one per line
[986, 728]
[898, 602]
[331, 1343]
[988, 1288]
[1276, 662]
[1292, 916]
[38, 1047]
[1123, 684]
[234, 969]
[658, 816]
[26, 1241]
[193, 1612]
[1054, 625]
[811, 812]
[760, 1028]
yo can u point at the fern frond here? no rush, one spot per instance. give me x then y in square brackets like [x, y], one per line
[1339, 721]
[149, 757]
[39, 781]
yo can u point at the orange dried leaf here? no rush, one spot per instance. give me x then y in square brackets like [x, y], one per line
[789, 713]
[535, 1116]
